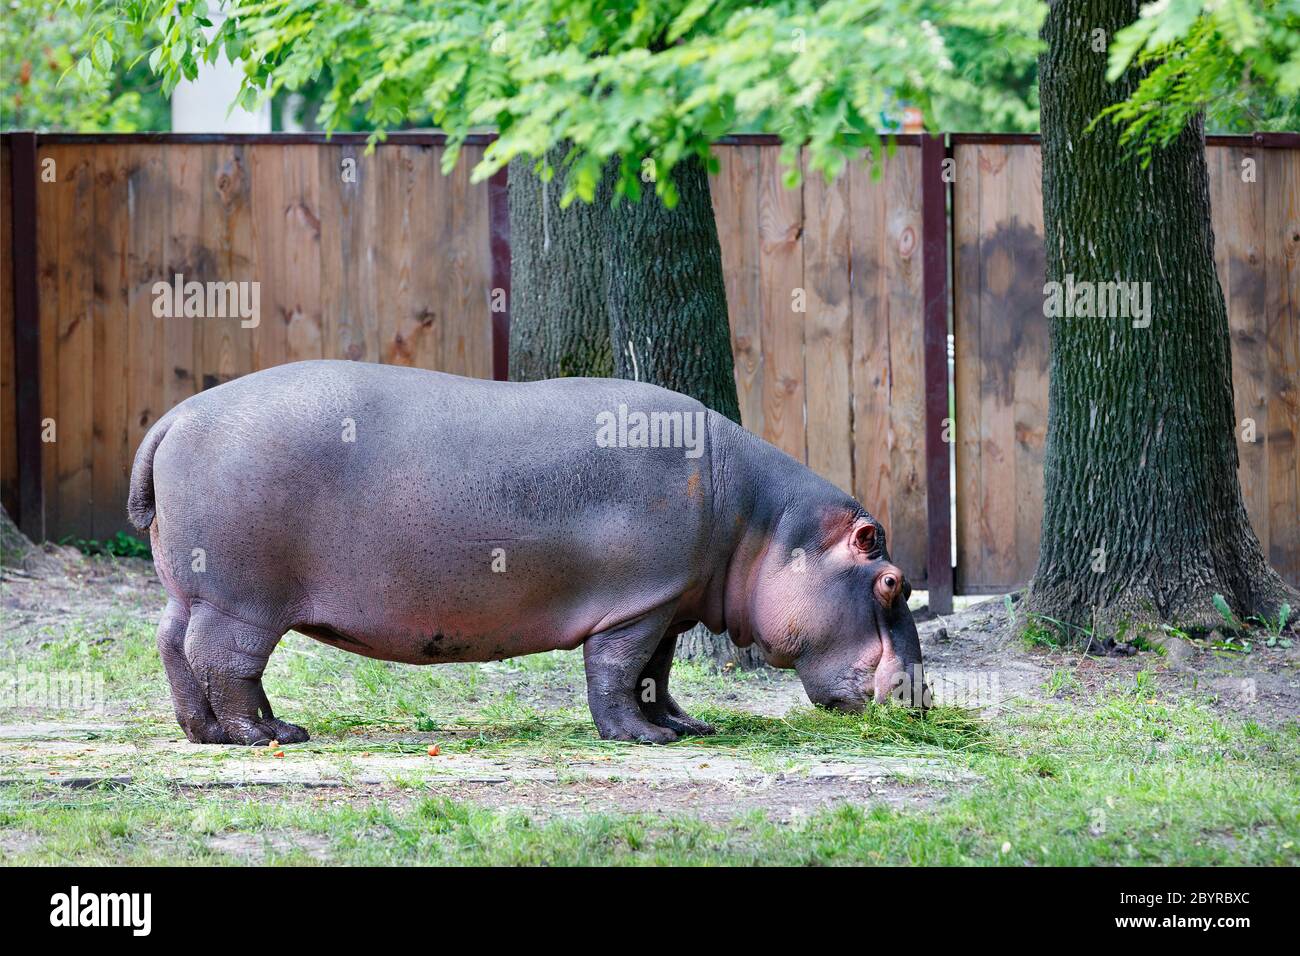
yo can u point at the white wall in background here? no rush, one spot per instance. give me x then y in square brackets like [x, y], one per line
[201, 106]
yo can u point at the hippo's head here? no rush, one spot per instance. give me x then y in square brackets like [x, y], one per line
[830, 604]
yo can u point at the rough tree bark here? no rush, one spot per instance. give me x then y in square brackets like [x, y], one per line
[666, 297]
[1143, 520]
[558, 323]
[634, 291]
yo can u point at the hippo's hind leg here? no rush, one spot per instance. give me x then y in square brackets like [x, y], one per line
[614, 661]
[192, 710]
[228, 656]
[656, 703]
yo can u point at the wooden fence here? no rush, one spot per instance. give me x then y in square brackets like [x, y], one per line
[381, 258]
[1001, 339]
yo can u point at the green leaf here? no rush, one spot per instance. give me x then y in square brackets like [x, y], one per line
[102, 55]
[1225, 612]
[689, 16]
[1125, 46]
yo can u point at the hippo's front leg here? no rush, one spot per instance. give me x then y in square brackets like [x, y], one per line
[615, 661]
[657, 704]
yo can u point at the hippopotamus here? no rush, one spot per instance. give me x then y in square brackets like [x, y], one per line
[415, 516]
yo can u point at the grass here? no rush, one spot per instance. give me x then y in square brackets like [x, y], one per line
[1125, 775]
[1135, 781]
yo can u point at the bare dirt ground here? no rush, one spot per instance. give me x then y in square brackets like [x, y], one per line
[57, 598]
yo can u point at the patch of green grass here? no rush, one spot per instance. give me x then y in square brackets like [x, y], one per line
[1139, 781]
[1039, 633]
[1061, 681]
[1129, 776]
[117, 649]
[882, 730]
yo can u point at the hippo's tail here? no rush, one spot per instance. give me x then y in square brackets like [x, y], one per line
[139, 504]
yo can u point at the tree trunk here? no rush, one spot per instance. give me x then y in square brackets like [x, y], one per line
[666, 295]
[1143, 520]
[558, 322]
[634, 291]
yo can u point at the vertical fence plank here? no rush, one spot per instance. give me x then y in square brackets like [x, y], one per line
[938, 489]
[966, 366]
[735, 205]
[499, 285]
[453, 250]
[1030, 356]
[111, 339]
[227, 230]
[386, 277]
[74, 325]
[186, 257]
[780, 219]
[906, 310]
[873, 436]
[425, 312]
[52, 201]
[1239, 242]
[270, 228]
[302, 255]
[346, 330]
[30, 348]
[1281, 176]
[149, 204]
[8, 386]
[997, 422]
[467, 337]
[828, 329]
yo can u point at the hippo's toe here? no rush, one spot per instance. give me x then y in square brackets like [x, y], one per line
[685, 725]
[637, 731]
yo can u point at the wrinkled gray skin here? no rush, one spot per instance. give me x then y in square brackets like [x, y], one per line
[472, 520]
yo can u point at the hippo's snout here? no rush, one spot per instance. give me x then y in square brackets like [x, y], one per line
[900, 674]
[904, 685]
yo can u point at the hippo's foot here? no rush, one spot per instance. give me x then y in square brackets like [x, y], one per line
[627, 681]
[250, 733]
[675, 719]
[657, 705]
[205, 732]
[259, 733]
[636, 730]
[214, 664]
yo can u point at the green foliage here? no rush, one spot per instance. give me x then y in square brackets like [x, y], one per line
[1273, 627]
[53, 77]
[1236, 60]
[1225, 612]
[637, 79]
[121, 545]
[1038, 633]
[1001, 68]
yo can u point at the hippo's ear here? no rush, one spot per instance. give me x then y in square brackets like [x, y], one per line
[866, 541]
